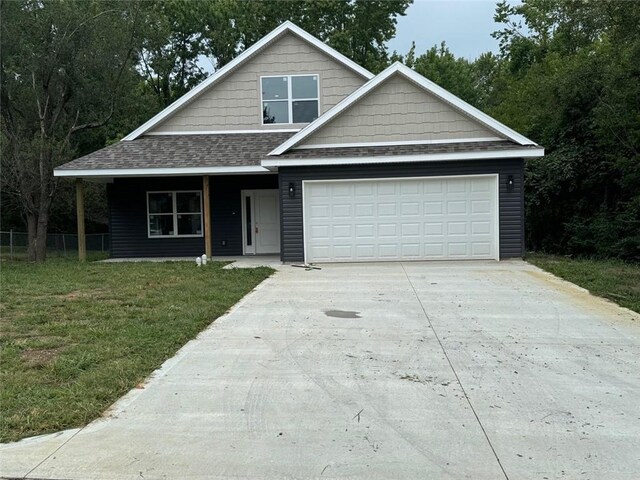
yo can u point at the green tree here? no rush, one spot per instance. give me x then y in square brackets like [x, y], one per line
[62, 68]
[180, 34]
[571, 81]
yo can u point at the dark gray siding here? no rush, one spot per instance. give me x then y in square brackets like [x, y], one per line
[226, 209]
[510, 203]
[128, 215]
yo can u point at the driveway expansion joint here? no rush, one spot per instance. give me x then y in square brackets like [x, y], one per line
[464, 392]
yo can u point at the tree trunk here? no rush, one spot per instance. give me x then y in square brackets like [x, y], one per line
[41, 235]
[31, 237]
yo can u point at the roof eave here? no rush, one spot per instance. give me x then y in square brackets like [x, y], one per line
[526, 152]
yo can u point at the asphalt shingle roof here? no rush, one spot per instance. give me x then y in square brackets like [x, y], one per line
[175, 151]
[393, 150]
[246, 149]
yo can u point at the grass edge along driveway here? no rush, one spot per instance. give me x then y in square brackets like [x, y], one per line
[612, 279]
[75, 337]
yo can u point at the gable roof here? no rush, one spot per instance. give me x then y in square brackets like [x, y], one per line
[439, 92]
[286, 27]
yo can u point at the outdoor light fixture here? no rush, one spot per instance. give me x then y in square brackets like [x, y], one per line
[510, 183]
[292, 190]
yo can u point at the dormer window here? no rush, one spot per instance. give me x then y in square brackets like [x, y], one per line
[289, 99]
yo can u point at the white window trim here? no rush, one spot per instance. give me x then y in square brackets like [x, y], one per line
[175, 214]
[289, 98]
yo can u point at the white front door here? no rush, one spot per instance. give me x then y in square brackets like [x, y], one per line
[260, 222]
[427, 218]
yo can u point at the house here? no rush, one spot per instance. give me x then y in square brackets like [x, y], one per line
[293, 149]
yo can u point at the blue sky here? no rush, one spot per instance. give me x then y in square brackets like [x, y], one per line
[465, 25]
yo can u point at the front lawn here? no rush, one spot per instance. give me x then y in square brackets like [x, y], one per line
[74, 337]
[613, 279]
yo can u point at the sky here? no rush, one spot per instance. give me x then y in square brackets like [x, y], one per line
[465, 25]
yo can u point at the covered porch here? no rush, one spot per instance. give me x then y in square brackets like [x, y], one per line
[184, 195]
[221, 215]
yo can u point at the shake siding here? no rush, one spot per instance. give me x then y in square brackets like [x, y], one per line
[511, 204]
[235, 103]
[398, 110]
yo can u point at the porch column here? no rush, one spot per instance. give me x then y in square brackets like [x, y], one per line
[82, 245]
[207, 215]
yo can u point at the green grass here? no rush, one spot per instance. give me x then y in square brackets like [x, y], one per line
[76, 336]
[613, 279]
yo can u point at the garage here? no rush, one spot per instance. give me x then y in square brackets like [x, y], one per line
[423, 218]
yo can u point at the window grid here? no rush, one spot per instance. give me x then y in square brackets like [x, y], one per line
[290, 98]
[174, 214]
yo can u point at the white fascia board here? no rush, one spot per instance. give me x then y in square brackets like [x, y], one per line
[460, 104]
[415, 77]
[397, 143]
[221, 132]
[248, 53]
[432, 157]
[157, 172]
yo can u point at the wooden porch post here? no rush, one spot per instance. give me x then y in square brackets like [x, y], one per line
[82, 245]
[207, 215]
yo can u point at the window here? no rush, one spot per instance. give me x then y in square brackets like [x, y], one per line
[289, 99]
[174, 214]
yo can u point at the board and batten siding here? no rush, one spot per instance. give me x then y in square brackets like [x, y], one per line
[235, 103]
[511, 204]
[128, 215]
[398, 110]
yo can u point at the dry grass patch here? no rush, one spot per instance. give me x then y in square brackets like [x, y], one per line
[74, 337]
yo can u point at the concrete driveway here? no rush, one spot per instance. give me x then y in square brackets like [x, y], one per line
[478, 370]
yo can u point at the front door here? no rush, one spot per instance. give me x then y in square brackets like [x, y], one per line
[260, 222]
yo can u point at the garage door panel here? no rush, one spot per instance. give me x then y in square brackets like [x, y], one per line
[388, 250]
[457, 207]
[387, 230]
[456, 228]
[428, 218]
[409, 209]
[364, 210]
[387, 210]
[433, 207]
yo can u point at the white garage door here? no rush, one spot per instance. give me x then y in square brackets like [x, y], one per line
[401, 219]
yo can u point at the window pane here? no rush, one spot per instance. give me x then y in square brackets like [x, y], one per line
[160, 202]
[188, 202]
[304, 87]
[275, 88]
[189, 224]
[160, 225]
[305, 112]
[275, 112]
[248, 215]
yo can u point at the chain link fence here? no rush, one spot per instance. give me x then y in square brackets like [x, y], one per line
[13, 245]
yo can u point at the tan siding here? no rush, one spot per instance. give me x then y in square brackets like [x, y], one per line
[234, 103]
[398, 110]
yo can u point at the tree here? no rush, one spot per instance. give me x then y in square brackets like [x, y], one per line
[62, 67]
[571, 81]
[181, 33]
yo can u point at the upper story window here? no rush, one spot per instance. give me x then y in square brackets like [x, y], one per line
[289, 99]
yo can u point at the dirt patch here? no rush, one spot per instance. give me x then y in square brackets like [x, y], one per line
[40, 357]
[581, 296]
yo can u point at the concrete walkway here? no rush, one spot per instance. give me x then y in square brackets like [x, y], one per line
[477, 370]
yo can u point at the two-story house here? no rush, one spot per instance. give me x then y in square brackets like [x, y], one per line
[294, 149]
